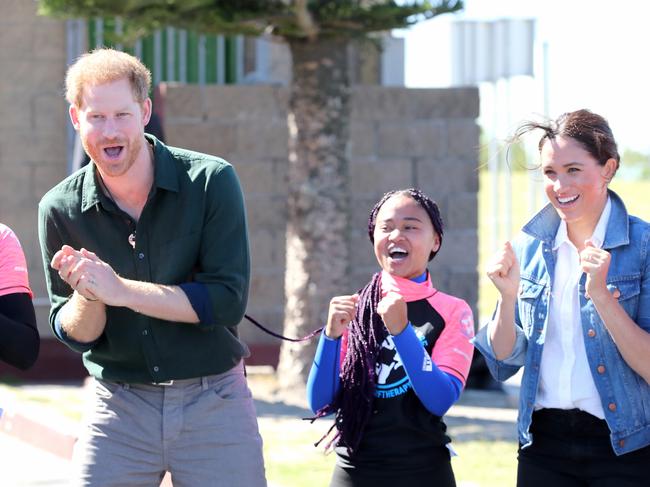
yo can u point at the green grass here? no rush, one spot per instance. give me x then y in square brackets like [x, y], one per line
[66, 402]
[634, 194]
[485, 463]
[290, 456]
[293, 461]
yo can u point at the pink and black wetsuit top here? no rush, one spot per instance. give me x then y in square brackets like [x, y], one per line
[19, 339]
[420, 374]
[13, 268]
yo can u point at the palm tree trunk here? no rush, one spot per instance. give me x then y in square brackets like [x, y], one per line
[318, 208]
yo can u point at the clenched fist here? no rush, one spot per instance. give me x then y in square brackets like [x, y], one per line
[503, 271]
[341, 312]
[594, 262]
[392, 309]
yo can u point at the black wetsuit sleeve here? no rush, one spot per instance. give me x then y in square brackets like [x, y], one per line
[19, 339]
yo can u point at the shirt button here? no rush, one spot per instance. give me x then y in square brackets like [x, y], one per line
[621, 443]
[601, 369]
[156, 368]
[145, 332]
[140, 256]
[591, 333]
[612, 406]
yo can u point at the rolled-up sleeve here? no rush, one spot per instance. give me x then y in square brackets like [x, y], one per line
[224, 262]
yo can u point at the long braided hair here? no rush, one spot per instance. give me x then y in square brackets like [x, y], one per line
[353, 405]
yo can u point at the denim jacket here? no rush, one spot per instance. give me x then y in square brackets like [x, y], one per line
[624, 394]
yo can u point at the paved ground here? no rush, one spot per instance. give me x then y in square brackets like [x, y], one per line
[36, 455]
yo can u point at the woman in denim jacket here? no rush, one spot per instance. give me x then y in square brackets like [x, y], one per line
[574, 311]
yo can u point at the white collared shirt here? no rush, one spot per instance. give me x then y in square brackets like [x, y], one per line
[565, 381]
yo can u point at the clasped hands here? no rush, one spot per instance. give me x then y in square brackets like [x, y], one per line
[392, 309]
[88, 275]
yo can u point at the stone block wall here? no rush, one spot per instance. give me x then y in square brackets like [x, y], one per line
[32, 127]
[399, 138]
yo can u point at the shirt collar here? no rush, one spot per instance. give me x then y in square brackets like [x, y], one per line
[598, 236]
[90, 194]
[165, 176]
[544, 225]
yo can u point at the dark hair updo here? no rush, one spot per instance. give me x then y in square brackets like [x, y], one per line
[589, 129]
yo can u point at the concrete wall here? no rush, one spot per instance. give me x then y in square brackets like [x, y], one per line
[399, 138]
[32, 126]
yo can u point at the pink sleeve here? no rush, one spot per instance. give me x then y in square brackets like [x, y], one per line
[13, 267]
[453, 350]
[344, 346]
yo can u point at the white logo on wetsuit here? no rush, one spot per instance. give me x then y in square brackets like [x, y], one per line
[391, 377]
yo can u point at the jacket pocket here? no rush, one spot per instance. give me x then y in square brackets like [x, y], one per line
[627, 292]
[530, 304]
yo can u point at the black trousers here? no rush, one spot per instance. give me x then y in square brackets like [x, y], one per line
[437, 473]
[572, 448]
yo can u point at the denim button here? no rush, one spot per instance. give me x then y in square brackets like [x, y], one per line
[612, 406]
[591, 333]
[601, 369]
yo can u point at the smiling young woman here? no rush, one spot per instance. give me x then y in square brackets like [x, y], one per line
[574, 311]
[394, 356]
[575, 183]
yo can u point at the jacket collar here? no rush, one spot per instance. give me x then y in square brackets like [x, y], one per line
[165, 176]
[543, 226]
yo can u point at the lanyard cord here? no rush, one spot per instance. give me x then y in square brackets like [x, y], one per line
[282, 337]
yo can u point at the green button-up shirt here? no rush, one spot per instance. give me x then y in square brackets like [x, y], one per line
[192, 229]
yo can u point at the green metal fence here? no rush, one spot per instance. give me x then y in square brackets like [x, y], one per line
[177, 55]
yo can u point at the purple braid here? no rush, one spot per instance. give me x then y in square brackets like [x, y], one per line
[358, 376]
[353, 403]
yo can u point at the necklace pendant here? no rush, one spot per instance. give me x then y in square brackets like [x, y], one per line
[132, 240]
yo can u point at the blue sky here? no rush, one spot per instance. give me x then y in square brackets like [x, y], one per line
[597, 53]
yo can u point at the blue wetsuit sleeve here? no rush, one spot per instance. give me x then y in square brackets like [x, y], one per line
[324, 382]
[436, 389]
